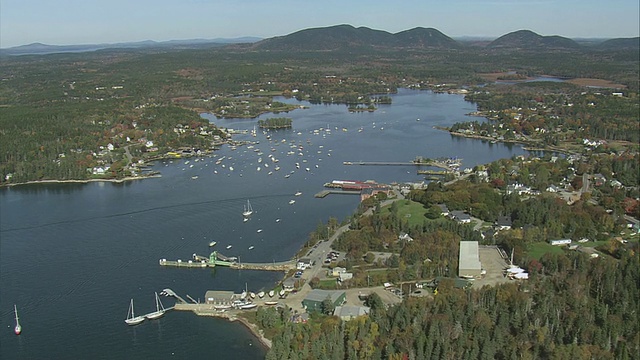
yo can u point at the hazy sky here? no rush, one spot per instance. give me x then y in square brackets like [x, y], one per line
[65, 22]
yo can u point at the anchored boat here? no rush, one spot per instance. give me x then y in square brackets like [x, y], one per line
[132, 319]
[247, 210]
[18, 328]
[159, 310]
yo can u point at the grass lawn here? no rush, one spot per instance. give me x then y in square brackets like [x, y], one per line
[410, 210]
[328, 284]
[538, 249]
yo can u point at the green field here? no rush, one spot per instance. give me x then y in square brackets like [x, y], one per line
[410, 210]
[536, 250]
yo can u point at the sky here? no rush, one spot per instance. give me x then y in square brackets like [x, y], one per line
[71, 22]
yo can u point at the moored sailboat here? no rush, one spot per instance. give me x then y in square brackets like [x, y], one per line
[247, 210]
[18, 328]
[132, 319]
[159, 310]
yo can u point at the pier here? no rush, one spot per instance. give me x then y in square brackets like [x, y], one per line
[172, 293]
[438, 164]
[324, 193]
[433, 172]
[217, 259]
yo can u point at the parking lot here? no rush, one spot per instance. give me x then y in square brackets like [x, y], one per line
[494, 264]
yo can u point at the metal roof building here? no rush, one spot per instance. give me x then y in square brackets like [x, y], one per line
[469, 260]
[313, 301]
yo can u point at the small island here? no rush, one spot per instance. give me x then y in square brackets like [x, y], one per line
[275, 123]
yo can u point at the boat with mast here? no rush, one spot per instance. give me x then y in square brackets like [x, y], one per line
[18, 328]
[248, 210]
[132, 319]
[159, 310]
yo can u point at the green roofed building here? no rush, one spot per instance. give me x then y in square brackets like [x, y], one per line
[313, 301]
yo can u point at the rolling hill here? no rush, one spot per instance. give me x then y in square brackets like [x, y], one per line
[528, 40]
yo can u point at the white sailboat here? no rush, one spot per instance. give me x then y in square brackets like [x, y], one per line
[159, 310]
[247, 210]
[18, 328]
[132, 319]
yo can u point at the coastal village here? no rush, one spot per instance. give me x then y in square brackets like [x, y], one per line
[530, 255]
[478, 265]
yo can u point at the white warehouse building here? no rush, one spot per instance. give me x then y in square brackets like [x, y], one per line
[469, 260]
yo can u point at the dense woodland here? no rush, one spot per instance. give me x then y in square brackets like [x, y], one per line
[572, 308]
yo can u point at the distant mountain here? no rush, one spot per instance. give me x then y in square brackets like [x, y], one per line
[41, 49]
[620, 44]
[349, 37]
[425, 38]
[528, 40]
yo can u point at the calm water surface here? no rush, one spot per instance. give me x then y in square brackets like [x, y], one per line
[72, 256]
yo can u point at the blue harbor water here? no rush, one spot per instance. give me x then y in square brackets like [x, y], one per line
[72, 256]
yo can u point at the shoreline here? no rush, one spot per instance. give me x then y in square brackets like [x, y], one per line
[231, 316]
[526, 144]
[115, 181]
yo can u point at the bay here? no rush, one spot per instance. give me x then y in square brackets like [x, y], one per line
[72, 256]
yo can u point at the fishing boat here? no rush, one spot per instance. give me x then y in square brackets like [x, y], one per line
[213, 243]
[159, 310]
[271, 293]
[132, 319]
[248, 210]
[18, 328]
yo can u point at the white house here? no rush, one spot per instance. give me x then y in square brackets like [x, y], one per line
[560, 242]
[303, 264]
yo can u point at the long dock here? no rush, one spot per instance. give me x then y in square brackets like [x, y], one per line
[217, 259]
[324, 193]
[438, 164]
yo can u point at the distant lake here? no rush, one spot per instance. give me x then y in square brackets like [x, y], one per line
[72, 256]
